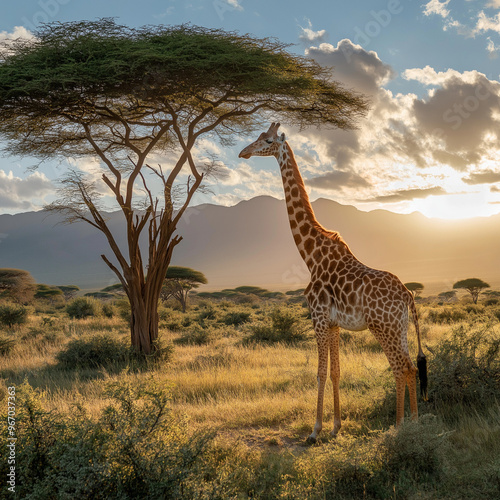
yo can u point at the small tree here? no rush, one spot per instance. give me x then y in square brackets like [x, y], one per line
[473, 285]
[415, 288]
[448, 295]
[179, 282]
[47, 292]
[17, 285]
[69, 291]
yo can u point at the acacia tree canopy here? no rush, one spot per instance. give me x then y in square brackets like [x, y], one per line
[17, 285]
[125, 96]
[179, 281]
[473, 286]
[414, 287]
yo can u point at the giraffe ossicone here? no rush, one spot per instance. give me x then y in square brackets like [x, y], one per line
[343, 292]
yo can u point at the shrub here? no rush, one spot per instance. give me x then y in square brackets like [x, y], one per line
[236, 318]
[83, 307]
[199, 336]
[466, 370]
[11, 315]
[284, 326]
[108, 310]
[93, 352]
[206, 313]
[135, 448]
[123, 307]
[447, 315]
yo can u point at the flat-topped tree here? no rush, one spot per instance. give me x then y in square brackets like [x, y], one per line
[473, 285]
[415, 288]
[128, 96]
[179, 281]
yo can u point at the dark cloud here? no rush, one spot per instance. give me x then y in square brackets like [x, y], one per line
[455, 161]
[486, 177]
[337, 180]
[460, 112]
[407, 195]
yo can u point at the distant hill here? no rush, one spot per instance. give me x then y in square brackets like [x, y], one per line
[251, 244]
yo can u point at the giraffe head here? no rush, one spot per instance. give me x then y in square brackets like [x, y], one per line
[268, 143]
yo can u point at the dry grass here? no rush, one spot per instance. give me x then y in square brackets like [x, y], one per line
[262, 396]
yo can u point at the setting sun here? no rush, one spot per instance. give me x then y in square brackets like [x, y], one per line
[457, 206]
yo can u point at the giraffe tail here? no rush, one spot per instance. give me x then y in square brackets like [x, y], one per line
[421, 358]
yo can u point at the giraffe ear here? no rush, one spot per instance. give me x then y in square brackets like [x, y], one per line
[282, 138]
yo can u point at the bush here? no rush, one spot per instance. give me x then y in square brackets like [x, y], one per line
[108, 310]
[236, 318]
[135, 448]
[11, 315]
[447, 315]
[465, 370]
[93, 352]
[199, 335]
[83, 307]
[284, 326]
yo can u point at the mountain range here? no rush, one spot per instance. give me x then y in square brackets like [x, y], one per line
[251, 244]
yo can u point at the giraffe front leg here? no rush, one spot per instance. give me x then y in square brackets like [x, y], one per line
[335, 376]
[322, 375]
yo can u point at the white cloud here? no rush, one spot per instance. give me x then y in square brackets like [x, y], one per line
[19, 194]
[485, 23]
[353, 66]
[19, 32]
[437, 7]
[494, 4]
[235, 4]
[492, 49]
[308, 35]
[429, 76]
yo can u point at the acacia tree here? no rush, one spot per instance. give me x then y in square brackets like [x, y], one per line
[473, 285]
[125, 96]
[179, 281]
[415, 288]
[17, 285]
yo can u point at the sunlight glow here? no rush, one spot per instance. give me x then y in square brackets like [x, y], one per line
[457, 206]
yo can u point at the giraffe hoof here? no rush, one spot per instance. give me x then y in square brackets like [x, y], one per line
[311, 440]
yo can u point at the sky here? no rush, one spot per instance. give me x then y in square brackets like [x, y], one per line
[431, 70]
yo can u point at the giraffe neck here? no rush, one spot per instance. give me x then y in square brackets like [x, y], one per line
[306, 230]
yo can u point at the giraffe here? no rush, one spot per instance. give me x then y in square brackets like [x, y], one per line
[343, 292]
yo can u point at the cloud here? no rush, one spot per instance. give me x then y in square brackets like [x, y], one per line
[18, 194]
[492, 49]
[485, 23]
[19, 32]
[407, 195]
[461, 112]
[494, 4]
[486, 177]
[308, 35]
[353, 66]
[337, 180]
[437, 7]
[453, 160]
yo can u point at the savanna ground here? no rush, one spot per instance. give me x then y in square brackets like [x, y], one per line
[225, 407]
